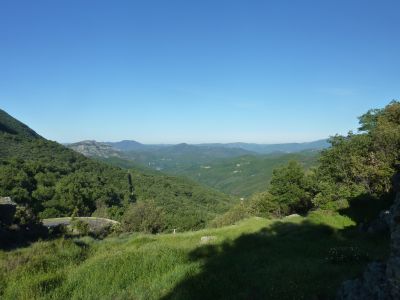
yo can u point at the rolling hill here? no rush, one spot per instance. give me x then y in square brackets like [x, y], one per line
[130, 145]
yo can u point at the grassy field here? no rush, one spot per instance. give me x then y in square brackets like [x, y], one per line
[293, 258]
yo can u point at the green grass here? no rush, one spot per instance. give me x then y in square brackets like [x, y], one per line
[255, 259]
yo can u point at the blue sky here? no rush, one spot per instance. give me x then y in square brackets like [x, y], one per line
[197, 71]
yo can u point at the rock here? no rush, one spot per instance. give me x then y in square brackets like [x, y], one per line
[380, 281]
[372, 285]
[207, 239]
[292, 216]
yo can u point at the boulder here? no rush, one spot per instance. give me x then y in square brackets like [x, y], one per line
[380, 281]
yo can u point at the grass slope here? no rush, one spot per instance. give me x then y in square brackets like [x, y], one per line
[255, 259]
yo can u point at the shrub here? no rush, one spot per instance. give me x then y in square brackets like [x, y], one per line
[235, 214]
[263, 205]
[143, 217]
[80, 227]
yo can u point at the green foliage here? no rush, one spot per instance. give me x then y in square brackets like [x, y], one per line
[264, 205]
[260, 205]
[291, 188]
[234, 215]
[187, 205]
[360, 164]
[144, 217]
[81, 227]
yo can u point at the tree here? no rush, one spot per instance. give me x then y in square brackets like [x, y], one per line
[290, 189]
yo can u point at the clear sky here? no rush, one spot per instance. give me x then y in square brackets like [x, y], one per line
[197, 71]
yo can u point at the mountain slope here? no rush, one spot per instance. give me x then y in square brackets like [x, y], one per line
[95, 149]
[11, 126]
[56, 181]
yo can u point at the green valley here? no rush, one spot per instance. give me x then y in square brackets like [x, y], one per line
[230, 170]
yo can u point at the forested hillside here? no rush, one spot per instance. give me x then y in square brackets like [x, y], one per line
[52, 181]
[245, 175]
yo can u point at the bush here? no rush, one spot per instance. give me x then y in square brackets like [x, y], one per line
[144, 217]
[264, 205]
[235, 214]
[80, 227]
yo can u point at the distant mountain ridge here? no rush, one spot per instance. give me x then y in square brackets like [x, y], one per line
[271, 148]
[130, 145]
[163, 157]
[157, 157]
